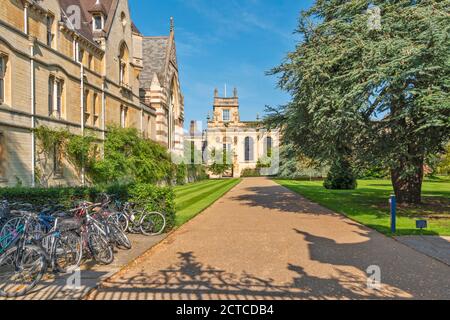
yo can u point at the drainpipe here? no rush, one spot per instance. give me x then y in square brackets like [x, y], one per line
[25, 18]
[103, 111]
[142, 121]
[32, 111]
[82, 114]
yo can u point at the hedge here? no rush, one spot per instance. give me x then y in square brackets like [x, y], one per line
[248, 172]
[151, 197]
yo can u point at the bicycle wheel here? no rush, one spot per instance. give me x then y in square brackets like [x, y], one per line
[152, 223]
[68, 251]
[19, 275]
[119, 219]
[9, 231]
[119, 237]
[100, 248]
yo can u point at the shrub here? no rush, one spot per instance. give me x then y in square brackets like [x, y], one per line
[181, 174]
[248, 172]
[128, 158]
[196, 172]
[149, 196]
[341, 176]
[153, 198]
[375, 173]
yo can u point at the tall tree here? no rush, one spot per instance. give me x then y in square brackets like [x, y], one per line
[370, 83]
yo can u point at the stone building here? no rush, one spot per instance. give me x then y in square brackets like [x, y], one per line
[73, 64]
[160, 89]
[243, 142]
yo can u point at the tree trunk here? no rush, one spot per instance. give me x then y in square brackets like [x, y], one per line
[407, 178]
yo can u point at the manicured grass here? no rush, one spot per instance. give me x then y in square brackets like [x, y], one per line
[191, 199]
[369, 205]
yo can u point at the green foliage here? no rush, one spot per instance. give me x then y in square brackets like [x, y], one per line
[443, 166]
[374, 172]
[264, 162]
[80, 151]
[148, 196]
[378, 96]
[295, 166]
[221, 163]
[128, 158]
[181, 174]
[196, 172]
[153, 198]
[340, 176]
[248, 172]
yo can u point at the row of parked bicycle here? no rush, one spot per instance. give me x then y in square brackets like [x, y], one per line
[34, 240]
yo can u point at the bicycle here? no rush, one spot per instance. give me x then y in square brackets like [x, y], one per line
[139, 221]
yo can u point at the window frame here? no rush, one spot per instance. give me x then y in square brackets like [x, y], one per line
[55, 97]
[3, 66]
[50, 34]
[123, 116]
[95, 114]
[248, 149]
[95, 20]
[227, 111]
[268, 147]
[51, 95]
[59, 90]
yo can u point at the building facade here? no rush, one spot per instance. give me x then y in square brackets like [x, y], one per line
[244, 143]
[160, 89]
[72, 64]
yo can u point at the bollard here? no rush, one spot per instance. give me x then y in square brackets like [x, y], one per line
[393, 203]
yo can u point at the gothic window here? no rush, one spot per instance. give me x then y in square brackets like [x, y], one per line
[59, 101]
[50, 35]
[123, 116]
[123, 64]
[248, 149]
[87, 113]
[226, 115]
[55, 101]
[95, 109]
[2, 78]
[268, 147]
[80, 55]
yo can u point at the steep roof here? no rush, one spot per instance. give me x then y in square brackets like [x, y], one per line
[87, 8]
[155, 51]
[135, 29]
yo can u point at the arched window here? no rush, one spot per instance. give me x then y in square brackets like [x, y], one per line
[123, 64]
[248, 149]
[268, 147]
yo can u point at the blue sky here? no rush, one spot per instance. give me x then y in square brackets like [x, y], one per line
[231, 42]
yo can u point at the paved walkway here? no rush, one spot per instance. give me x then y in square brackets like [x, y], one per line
[262, 241]
[433, 246]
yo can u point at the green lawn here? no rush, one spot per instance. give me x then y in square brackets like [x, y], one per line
[193, 198]
[369, 204]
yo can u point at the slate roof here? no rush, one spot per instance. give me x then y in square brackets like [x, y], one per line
[108, 6]
[154, 59]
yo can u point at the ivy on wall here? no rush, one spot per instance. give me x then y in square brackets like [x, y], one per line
[126, 158]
